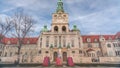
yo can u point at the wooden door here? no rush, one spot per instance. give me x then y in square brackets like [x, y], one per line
[55, 55]
[64, 56]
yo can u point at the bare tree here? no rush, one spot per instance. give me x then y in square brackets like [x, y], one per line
[22, 27]
[5, 27]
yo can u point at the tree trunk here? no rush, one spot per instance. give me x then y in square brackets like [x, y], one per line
[18, 59]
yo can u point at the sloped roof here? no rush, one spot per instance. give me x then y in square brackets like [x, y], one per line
[92, 38]
[15, 40]
[96, 37]
[118, 35]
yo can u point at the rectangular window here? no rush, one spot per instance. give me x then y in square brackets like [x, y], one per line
[117, 53]
[80, 52]
[64, 43]
[39, 51]
[79, 42]
[46, 52]
[59, 40]
[55, 41]
[5, 54]
[47, 41]
[72, 41]
[93, 55]
[89, 55]
[110, 53]
[0, 53]
[114, 44]
[97, 45]
[119, 44]
[10, 53]
[109, 45]
[73, 51]
[89, 46]
[40, 44]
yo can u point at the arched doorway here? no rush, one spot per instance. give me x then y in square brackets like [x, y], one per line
[55, 55]
[64, 29]
[56, 28]
[64, 56]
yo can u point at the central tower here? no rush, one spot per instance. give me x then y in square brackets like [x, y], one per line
[60, 19]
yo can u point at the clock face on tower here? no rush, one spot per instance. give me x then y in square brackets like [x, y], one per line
[60, 20]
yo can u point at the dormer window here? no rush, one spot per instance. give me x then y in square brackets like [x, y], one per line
[102, 38]
[95, 40]
[28, 41]
[88, 40]
[110, 38]
[8, 42]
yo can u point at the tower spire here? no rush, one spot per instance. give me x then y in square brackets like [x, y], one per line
[60, 6]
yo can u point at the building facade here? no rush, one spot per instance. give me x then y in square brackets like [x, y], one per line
[62, 42]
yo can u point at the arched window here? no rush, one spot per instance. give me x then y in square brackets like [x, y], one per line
[64, 29]
[56, 28]
[98, 53]
[109, 45]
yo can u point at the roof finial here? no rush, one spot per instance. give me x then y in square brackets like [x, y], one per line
[60, 6]
[60, 1]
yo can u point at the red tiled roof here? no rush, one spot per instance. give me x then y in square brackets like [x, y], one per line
[109, 36]
[93, 37]
[15, 40]
[118, 35]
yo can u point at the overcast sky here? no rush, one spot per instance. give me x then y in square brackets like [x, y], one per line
[90, 16]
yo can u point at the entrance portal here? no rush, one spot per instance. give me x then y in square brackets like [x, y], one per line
[64, 56]
[55, 55]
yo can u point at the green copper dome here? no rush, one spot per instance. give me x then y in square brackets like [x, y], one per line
[45, 29]
[60, 6]
[75, 28]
